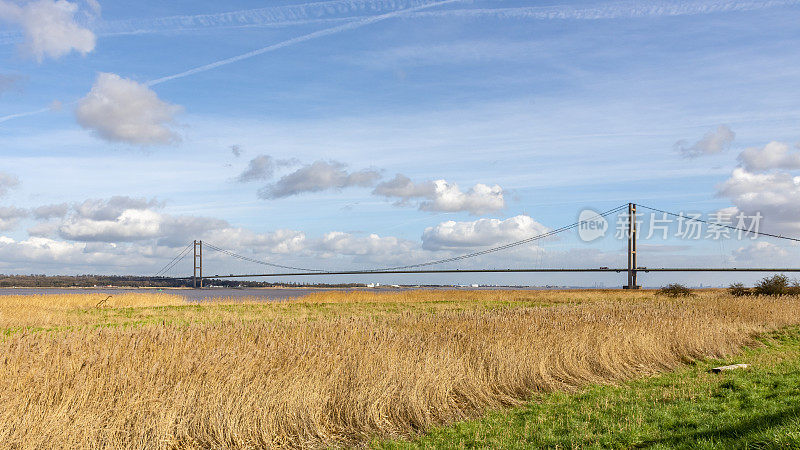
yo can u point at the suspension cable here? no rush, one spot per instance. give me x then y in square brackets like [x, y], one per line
[757, 233]
[509, 245]
[181, 257]
[256, 261]
[435, 262]
[174, 261]
[481, 252]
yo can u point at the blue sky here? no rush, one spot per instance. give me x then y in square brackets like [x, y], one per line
[527, 113]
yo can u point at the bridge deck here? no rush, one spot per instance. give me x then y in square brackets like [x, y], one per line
[616, 270]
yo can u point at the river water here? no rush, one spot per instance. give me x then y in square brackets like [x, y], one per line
[207, 294]
[190, 294]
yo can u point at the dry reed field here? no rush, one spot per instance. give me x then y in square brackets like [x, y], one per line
[334, 369]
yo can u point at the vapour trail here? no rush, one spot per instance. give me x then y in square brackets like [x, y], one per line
[306, 37]
[277, 15]
[23, 114]
[274, 15]
[619, 10]
[337, 11]
[285, 15]
[326, 12]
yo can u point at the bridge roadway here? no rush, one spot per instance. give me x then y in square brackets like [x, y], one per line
[562, 270]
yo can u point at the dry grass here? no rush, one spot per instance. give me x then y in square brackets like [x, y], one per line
[56, 309]
[76, 310]
[72, 301]
[251, 375]
[466, 296]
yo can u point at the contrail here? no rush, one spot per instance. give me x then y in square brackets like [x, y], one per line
[275, 15]
[619, 10]
[23, 114]
[306, 37]
[323, 12]
[626, 9]
[337, 11]
[310, 13]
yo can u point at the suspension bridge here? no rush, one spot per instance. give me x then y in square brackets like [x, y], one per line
[632, 269]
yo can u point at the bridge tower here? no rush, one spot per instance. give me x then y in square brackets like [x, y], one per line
[198, 263]
[632, 235]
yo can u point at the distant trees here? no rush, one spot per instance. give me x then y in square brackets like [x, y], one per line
[675, 290]
[774, 285]
[65, 281]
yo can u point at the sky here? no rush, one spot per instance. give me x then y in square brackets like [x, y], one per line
[362, 134]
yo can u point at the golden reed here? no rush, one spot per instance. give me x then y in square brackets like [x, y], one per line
[345, 379]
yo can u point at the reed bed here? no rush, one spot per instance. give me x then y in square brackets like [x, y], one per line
[344, 380]
[51, 311]
[56, 309]
[470, 296]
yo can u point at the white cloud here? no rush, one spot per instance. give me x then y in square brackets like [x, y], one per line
[122, 110]
[760, 251]
[775, 155]
[50, 211]
[47, 254]
[402, 187]
[110, 208]
[481, 232]
[10, 217]
[7, 182]
[479, 199]
[137, 225]
[43, 229]
[132, 224]
[262, 167]
[94, 233]
[279, 241]
[120, 219]
[337, 242]
[318, 176]
[773, 195]
[439, 195]
[712, 142]
[763, 185]
[177, 230]
[49, 27]
[38, 248]
[44, 254]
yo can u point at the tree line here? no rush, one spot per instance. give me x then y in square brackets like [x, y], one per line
[90, 280]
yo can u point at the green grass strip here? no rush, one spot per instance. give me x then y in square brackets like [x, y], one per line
[756, 408]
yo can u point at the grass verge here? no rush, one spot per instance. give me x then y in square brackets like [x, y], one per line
[687, 408]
